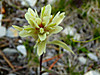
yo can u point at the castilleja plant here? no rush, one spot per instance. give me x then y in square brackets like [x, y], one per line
[40, 28]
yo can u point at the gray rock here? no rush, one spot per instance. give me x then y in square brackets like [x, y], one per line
[10, 51]
[28, 2]
[92, 73]
[32, 72]
[22, 49]
[69, 30]
[93, 57]
[82, 60]
[2, 31]
[20, 41]
[51, 1]
[11, 32]
[11, 74]
[46, 73]
[0, 17]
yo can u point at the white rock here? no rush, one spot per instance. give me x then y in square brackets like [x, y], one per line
[22, 49]
[46, 73]
[93, 57]
[10, 51]
[42, 0]
[30, 2]
[11, 74]
[51, 1]
[69, 30]
[77, 36]
[92, 73]
[2, 31]
[20, 41]
[0, 18]
[82, 60]
[11, 32]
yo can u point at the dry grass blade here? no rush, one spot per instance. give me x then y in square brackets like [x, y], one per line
[46, 60]
[55, 62]
[9, 63]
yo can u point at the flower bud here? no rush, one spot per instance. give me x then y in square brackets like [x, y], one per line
[41, 30]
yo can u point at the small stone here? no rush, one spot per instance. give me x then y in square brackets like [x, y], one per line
[69, 31]
[11, 74]
[30, 2]
[82, 60]
[22, 49]
[32, 72]
[20, 41]
[77, 36]
[92, 73]
[2, 31]
[11, 32]
[51, 1]
[0, 18]
[10, 51]
[46, 73]
[93, 57]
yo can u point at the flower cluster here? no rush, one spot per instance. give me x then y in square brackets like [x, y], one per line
[40, 28]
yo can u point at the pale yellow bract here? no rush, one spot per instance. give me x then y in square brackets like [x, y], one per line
[41, 27]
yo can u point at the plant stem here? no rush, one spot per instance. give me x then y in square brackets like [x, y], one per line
[41, 57]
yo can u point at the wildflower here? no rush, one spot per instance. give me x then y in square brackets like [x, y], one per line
[40, 28]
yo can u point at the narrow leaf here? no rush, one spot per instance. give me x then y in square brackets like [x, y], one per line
[17, 28]
[41, 47]
[42, 37]
[61, 44]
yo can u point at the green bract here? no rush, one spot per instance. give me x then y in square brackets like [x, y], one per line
[41, 27]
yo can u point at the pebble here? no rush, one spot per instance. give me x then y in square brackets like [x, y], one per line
[22, 49]
[69, 30]
[2, 31]
[92, 56]
[82, 60]
[30, 2]
[10, 51]
[77, 36]
[20, 41]
[0, 18]
[51, 1]
[32, 72]
[46, 73]
[11, 74]
[11, 32]
[92, 73]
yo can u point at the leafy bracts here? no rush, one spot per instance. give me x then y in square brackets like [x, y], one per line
[41, 27]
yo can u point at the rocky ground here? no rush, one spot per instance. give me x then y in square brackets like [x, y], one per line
[81, 33]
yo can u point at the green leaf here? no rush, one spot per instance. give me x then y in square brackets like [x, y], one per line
[51, 24]
[38, 20]
[58, 18]
[28, 16]
[36, 13]
[31, 12]
[17, 28]
[61, 44]
[42, 12]
[24, 33]
[41, 47]
[33, 23]
[47, 11]
[42, 37]
[46, 20]
[55, 29]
